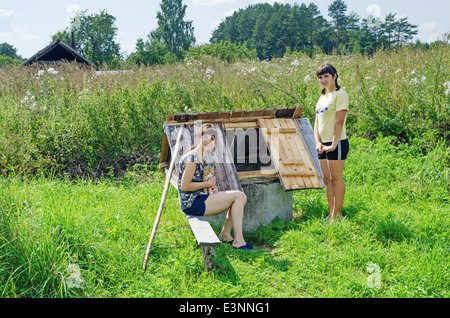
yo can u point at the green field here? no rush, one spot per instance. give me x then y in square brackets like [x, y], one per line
[79, 189]
[396, 212]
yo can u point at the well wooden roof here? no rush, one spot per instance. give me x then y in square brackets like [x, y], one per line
[289, 137]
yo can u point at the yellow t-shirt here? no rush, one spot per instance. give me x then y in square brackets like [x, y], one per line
[326, 109]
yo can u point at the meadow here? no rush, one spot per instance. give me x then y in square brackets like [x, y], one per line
[79, 189]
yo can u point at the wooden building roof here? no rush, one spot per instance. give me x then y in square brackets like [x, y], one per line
[288, 136]
[56, 52]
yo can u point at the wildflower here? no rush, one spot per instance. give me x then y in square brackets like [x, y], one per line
[209, 72]
[414, 81]
[295, 63]
[52, 71]
[307, 79]
[447, 84]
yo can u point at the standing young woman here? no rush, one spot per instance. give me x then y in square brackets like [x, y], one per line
[331, 138]
[194, 202]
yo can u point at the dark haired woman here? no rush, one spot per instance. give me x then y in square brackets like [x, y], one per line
[194, 202]
[331, 138]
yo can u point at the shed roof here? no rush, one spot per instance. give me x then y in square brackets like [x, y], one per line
[289, 139]
[58, 51]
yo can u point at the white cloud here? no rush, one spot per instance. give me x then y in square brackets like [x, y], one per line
[5, 19]
[18, 33]
[217, 23]
[429, 31]
[211, 3]
[6, 13]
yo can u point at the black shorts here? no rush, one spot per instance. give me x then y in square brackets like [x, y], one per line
[340, 153]
[198, 207]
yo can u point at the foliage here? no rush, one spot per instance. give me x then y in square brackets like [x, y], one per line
[94, 37]
[151, 53]
[76, 122]
[225, 50]
[173, 31]
[10, 51]
[272, 29]
[8, 61]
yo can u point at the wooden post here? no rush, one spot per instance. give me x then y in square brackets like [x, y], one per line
[163, 199]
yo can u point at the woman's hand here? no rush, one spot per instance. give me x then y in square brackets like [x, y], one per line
[215, 189]
[329, 148]
[211, 182]
[319, 147]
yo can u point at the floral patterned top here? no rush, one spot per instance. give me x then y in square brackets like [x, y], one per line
[188, 197]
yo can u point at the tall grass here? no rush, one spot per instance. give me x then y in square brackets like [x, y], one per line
[77, 123]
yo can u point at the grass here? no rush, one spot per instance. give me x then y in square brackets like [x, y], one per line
[396, 210]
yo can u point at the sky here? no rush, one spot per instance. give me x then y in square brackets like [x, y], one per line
[29, 25]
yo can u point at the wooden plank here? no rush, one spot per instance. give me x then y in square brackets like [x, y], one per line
[164, 153]
[203, 232]
[284, 130]
[298, 112]
[294, 165]
[236, 114]
[257, 174]
[224, 115]
[307, 134]
[242, 125]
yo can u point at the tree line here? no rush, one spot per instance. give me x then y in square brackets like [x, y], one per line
[273, 29]
[259, 31]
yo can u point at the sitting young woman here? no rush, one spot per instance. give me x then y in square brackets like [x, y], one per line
[194, 202]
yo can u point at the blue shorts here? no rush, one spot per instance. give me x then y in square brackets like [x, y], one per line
[340, 153]
[198, 207]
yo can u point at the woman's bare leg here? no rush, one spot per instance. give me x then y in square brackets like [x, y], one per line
[235, 202]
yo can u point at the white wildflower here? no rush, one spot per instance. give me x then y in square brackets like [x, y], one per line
[295, 63]
[398, 71]
[52, 71]
[209, 72]
[447, 84]
[423, 79]
[414, 81]
[307, 79]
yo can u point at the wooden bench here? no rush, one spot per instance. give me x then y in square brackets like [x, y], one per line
[206, 238]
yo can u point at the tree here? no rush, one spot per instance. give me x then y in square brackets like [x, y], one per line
[9, 50]
[404, 30]
[388, 27]
[172, 31]
[336, 11]
[150, 53]
[94, 37]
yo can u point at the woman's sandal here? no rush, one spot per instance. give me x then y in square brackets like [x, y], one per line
[224, 240]
[247, 246]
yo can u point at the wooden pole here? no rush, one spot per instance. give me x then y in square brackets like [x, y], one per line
[163, 199]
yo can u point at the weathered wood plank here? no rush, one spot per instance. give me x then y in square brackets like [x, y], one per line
[203, 232]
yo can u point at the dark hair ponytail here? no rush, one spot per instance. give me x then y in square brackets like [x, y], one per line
[328, 69]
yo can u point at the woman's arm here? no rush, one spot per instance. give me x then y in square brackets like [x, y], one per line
[319, 145]
[186, 180]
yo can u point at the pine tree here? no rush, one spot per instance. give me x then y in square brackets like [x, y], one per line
[336, 11]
